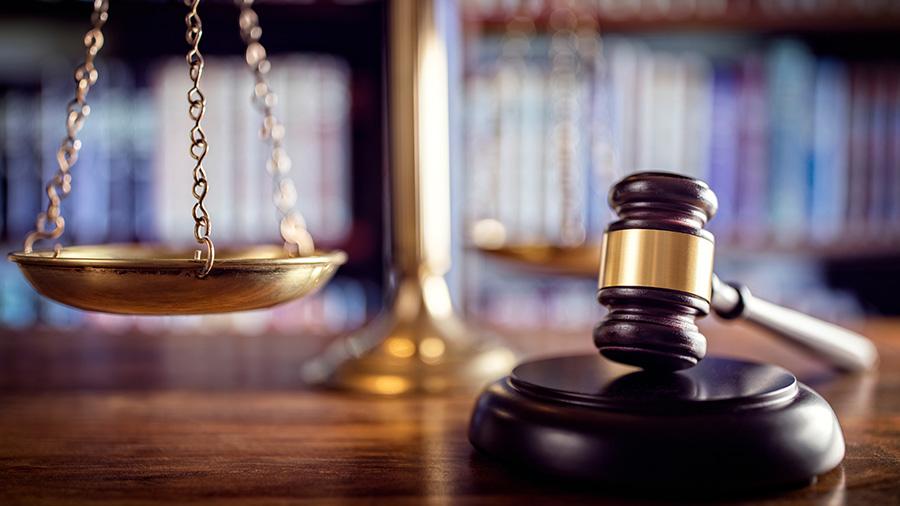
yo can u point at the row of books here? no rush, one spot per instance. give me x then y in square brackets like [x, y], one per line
[133, 178]
[314, 104]
[799, 148]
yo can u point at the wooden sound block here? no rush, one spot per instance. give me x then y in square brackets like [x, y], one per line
[722, 425]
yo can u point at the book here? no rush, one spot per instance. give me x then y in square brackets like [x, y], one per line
[877, 218]
[790, 84]
[828, 206]
[859, 156]
[24, 198]
[752, 199]
[724, 149]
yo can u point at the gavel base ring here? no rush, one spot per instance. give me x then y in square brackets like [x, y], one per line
[723, 425]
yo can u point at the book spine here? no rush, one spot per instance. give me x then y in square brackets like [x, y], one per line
[531, 152]
[790, 102]
[753, 152]
[879, 179]
[724, 148]
[146, 131]
[697, 116]
[894, 160]
[830, 138]
[858, 188]
[122, 160]
[23, 173]
[336, 202]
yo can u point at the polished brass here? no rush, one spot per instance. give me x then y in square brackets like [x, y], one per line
[659, 259]
[77, 111]
[157, 280]
[582, 260]
[418, 344]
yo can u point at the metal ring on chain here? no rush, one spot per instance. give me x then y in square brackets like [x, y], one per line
[77, 110]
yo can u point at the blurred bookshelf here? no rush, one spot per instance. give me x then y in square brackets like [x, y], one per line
[131, 182]
[789, 109]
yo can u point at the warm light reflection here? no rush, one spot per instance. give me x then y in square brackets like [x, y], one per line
[437, 296]
[433, 150]
[400, 347]
[389, 385]
[431, 349]
[488, 233]
[408, 299]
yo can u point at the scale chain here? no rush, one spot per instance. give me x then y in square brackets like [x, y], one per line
[199, 146]
[565, 67]
[77, 110]
[297, 240]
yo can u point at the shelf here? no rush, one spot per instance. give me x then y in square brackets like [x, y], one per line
[841, 251]
[738, 16]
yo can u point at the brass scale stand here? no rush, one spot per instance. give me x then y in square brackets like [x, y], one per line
[418, 344]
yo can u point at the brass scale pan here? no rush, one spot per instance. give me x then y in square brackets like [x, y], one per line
[156, 280]
[581, 260]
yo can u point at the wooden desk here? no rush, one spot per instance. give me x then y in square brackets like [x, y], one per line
[94, 419]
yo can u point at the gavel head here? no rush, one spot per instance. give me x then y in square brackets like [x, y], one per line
[656, 271]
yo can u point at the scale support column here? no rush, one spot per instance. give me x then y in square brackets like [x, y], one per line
[418, 344]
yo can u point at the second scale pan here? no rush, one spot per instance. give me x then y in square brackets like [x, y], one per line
[159, 280]
[581, 260]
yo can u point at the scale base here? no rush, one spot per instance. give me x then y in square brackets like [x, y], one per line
[417, 346]
[723, 425]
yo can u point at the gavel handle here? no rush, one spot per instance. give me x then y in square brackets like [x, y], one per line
[846, 350]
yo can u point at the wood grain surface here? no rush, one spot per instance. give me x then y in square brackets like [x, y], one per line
[197, 419]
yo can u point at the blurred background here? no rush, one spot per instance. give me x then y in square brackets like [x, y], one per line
[790, 109]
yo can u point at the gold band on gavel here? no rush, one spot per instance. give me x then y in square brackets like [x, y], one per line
[658, 259]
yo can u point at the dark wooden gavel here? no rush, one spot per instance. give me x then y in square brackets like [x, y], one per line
[656, 278]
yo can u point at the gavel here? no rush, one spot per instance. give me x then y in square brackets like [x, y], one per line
[656, 278]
